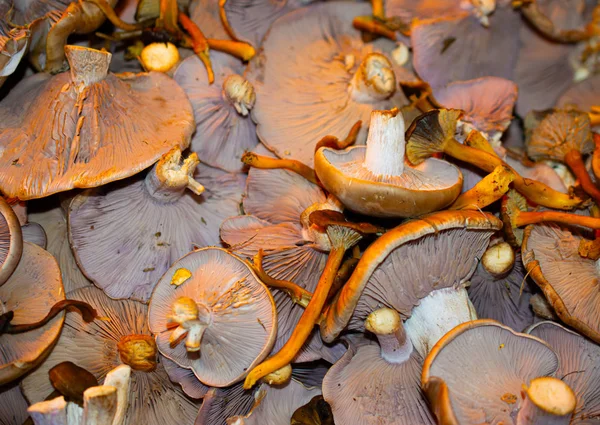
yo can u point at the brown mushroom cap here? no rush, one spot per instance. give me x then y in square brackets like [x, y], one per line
[30, 292]
[11, 241]
[102, 127]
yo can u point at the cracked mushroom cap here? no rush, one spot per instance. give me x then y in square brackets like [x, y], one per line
[376, 180]
[418, 269]
[102, 127]
[119, 336]
[569, 282]
[579, 368]
[11, 241]
[30, 292]
[466, 392]
[223, 311]
[583, 95]
[127, 235]
[328, 61]
[13, 406]
[224, 130]
[443, 47]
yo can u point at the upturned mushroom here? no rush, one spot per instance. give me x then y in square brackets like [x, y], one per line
[102, 127]
[511, 382]
[224, 130]
[121, 336]
[173, 213]
[210, 313]
[329, 62]
[431, 299]
[376, 180]
[11, 241]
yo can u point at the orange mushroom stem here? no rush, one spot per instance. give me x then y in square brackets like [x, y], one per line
[335, 143]
[266, 163]
[523, 218]
[106, 8]
[225, 21]
[239, 49]
[373, 26]
[378, 9]
[487, 191]
[575, 162]
[596, 156]
[199, 44]
[168, 16]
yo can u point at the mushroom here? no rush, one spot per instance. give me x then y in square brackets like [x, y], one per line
[579, 367]
[30, 292]
[11, 241]
[103, 127]
[499, 289]
[121, 337]
[221, 403]
[165, 221]
[13, 41]
[584, 96]
[159, 57]
[410, 10]
[331, 78]
[569, 281]
[224, 131]
[378, 381]
[509, 364]
[190, 385]
[226, 316]
[13, 406]
[431, 299]
[206, 13]
[35, 234]
[376, 180]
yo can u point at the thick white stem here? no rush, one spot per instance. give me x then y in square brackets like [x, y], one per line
[120, 378]
[385, 144]
[194, 337]
[374, 79]
[99, 405]
[170, 176]
[88, 66]
[51, 412]
[547, 401]
[438, 313]
[386, 324]
[74, 414]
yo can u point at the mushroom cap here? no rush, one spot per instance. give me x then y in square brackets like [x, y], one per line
[409, 9]
[190, 385]
[427, 187]
[93, 346]
[222, 403]
[28, 11]
[558, 133]
[222, 134]
[291, 84]
[113, 129]
[583, 95]
[362, 386]
[487, 102]
[579, 367]
[397, 270]
[205, 13]
[503, 299]
[243, 318]
[486, 390]
[140, 236]
[13, 406]
[30, 292]
[11, 241]
[13, 41]
[52, 218]
[550, 254]
[444, 47]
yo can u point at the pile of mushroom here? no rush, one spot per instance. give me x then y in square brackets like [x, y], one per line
[306, 212]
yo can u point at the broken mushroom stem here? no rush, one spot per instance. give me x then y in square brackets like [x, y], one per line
[298, 294]
[240, 93]
[547, 401]
[575, 162]
[189, 320]
[170, 176]
[374, 79]
[266, 163]
[335, 143]
[487, 191]
[100, 405]
[498, 260]
[386, 324]
[87, 66]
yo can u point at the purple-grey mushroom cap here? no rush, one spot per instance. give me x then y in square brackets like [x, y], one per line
[235, 310]
[483, 365]
[11, 241]
[34, 233]
[579, 368]
[224, 129]
[154, 399]
[125, 236]
[190, 385]
[582, 95]
[13, 41]
[205, 13]
[222, 403]
[13, 406]
[312, 54]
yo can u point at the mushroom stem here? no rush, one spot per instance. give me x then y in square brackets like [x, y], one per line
[575, 162]
[120, 378]
[386, 324]
[378, 9]
[335, 143]
[240, 50]
[225, 21]
[498, 260]
[385, 143]
[280, 376]
[342, 275]
[240, 93]
[298, 294]
[199, 43]
[523, 218]
[99, 405]
[547, 401]
[487, 191]
[88, 66]
[107, 9]
[266, 163]
[596, 155]
[51, 412]
[373, 26]
[170, 176]
[192, 322]
[341, 239]
[374, 79]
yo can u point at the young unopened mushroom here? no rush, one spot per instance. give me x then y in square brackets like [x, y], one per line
[431, 299]
[329, 61]
[376, 180]
[465, 392]
[11, 241]
[223, 312]
[569, 281]
[102, 127]
[121, 336]
[172, 214]
[224, 131]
